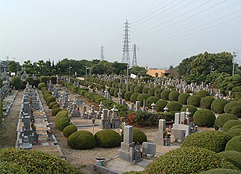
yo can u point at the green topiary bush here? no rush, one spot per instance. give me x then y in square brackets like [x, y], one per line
[229, 124]
[68, 130]
[204, 117]
[221, 171]
[188, 160]
[61, 120]
[127, 95]
[194, 100]
[40, 85]
[158, 92]
[150, 100]
[138, 89]
[107, 138]
[141, 97]
[211, 140]
[55, 106]
[217, 105]
[151, 91]
[235, 127]
[234, 132]
[182, 98]
[203, 93]
[165, 94]
[16, 82]
[132, 87]
[234, 144]
[138, 136]
[145, 90]
[173, 96]
[174, 106]
[160, 105]
[35, 162]
[116, 92]
[44, 79]
[55, 111]
[52, 104]
[233, 156]
[112, 90]
[81, 140]
[134, 96]
[191, 108]
[206, 102]
[50, 99]
[234, 108]
[11, 167]
[223, 118]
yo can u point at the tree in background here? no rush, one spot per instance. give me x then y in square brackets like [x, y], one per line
[12, 66]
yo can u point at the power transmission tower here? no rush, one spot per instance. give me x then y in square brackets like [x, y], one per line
[234, 55]
[102, 53]
[126, 56]
[134, 60]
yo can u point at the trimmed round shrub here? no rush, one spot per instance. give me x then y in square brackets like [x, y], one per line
[112, 90]
[35, 161]
[16, 82]
[204, 117]
[229, 124]
[139, 136]
[234, 132]
[191, 108]
[188, 160]
[55, 111]
[151, 91]
[223, 118]
[173, 96]
[133, 97]
[62, 112]
[160, 105]
[203, 93]
[211, 140]
[194, 100]
[217, 105]
[151, 100]
[165, 94]
[145, 90]
[132, 87]
[233, 156]
[221, 171]
[81, 140]
[52, 104]
[158, 92]
[55, 106]
[138, 89]
[127, 95]
[68, 130]
[44, 79]
[234, 108]
[174, 106]
[116, 92]
[141, 97]
[182, 98]
[206, 102]
[235, 127]
[50, 99]
[61, 120]
[107, 138]
[234, 144]
[40, 85]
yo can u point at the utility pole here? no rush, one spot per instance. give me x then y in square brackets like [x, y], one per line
[134, 60]
[102, 53]
[126, 56]
[234, 55]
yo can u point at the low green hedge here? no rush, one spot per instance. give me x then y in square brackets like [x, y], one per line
[217, 105]
[52, 104]
[138, 89]
[182, 98]
[203, 93]
[223, 118]
[141, 97]
[11, 167]
[191, 108]
[234, 144]
[134, 96]
[234, 108]
[40, 85]
[160, 105]
[107, 138]
[165, 94]
[233, 156]
[229, 124]
[204, 117]
[68, 130]
[50, 99]
[151, 91]
[188, 160]
[158, 92]
[145, 90]
[81, 140]
[173, 96]
[55, 106]
[194, 100]
[150, 100]
[55, 111]
[221, 171]
[127, 95]
[61, 120]
[211, 140]
[174, 106]
[206, 102]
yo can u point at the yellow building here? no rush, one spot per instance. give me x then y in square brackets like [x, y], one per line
[162, 72]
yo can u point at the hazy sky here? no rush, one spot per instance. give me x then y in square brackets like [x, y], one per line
[166, 31]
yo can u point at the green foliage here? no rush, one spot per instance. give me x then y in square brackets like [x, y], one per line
[234, 108]
[206, 102]
[191, 108]
[108, 103]
[55, 111]
[44, 79]
[221, 171]
[211, 140]
[194, 100]
[174, 106]
[146, 119]
[188, 160]
[55, 106]
[218, 105]
[68, 130]
[16, 82]
[160, 105]
[107, 138]
[62, 120]
[132, 87]
[34, 162]
[182, 98]
[127, 95]
[53, 79]
[204, 117]
[150, 100]
[165, 94]
[29, 80]
[50, 99]
[81, 140]
[223, 118]
[236, 127]
[52, 104]
[139, 136]
[203, 93]
[12, 66]
[145, 90]
[151, 91]
[233, 156]
[141, 97]
[116, 92]
[173, 96]
[168, 116]
[158, 92]
[234, 132]
[10, 167]
[234, 144]
[229, 124]
[138, 89]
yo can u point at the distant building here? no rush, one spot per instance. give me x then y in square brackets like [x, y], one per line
[162, 72]
[3, 66]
